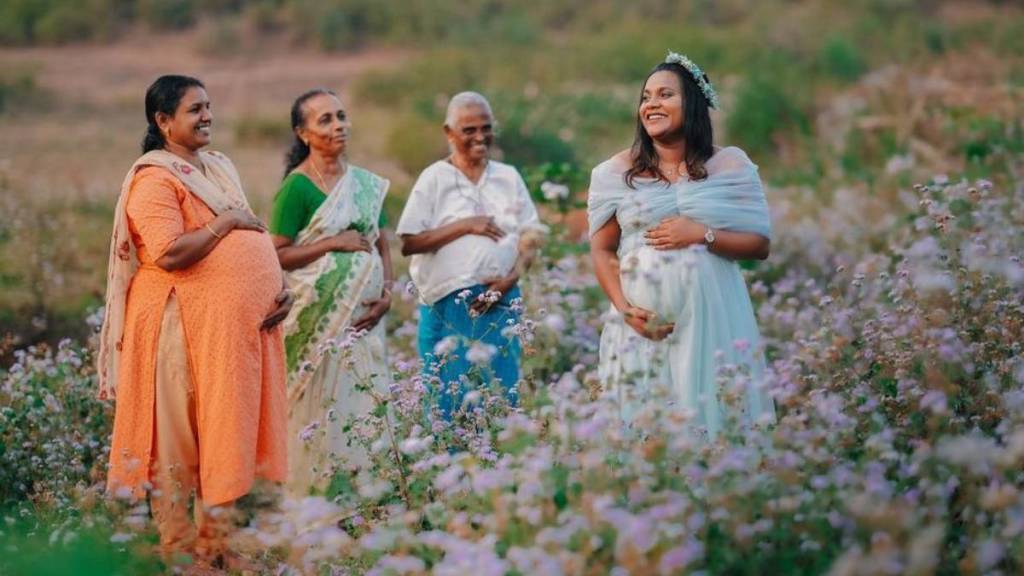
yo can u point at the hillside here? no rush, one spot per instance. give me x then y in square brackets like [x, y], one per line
[825, 96]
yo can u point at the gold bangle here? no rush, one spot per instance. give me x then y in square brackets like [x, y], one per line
[218, 236]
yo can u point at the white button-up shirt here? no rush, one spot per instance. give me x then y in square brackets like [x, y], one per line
[443, 194]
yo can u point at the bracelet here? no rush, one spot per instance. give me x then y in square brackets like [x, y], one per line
[210, 228]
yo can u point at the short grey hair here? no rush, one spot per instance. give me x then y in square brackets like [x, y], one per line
[464, 100]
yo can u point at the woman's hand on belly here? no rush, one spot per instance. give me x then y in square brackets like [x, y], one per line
[646, 323]
[375, 310]
[284, 302]
[675, 233]
[349, 241]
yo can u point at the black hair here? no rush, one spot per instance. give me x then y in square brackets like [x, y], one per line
[164, 95]
[300, 150]
[696, 132]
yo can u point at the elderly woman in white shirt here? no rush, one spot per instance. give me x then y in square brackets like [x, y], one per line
[472, 230]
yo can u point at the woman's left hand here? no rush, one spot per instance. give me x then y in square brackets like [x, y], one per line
[375, 310]
[501, 285]
[284, 302]
[675, 233]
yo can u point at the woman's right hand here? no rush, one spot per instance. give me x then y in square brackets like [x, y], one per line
[645, 323]
[483, 226]
[244, 220]
[349, 241]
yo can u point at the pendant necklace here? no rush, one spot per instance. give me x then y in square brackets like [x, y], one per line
[320, 176]
[676, 172]
[477, 200]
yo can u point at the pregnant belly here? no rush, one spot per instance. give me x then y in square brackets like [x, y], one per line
[659, 280]
[478, 255]
[243, 268]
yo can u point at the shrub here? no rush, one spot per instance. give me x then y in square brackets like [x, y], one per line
[415, 143]
[84, 546]
[168, 14]
[524, 144]
[19, 91]
[18, 19]
[53, 431]
[764, 108]
[65, 23]
[221, 37]
[840, 58]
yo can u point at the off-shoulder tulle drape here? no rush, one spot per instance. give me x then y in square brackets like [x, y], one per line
[729, 199]
[703, 294]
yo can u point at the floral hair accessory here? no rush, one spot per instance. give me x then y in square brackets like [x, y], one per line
[698, 76]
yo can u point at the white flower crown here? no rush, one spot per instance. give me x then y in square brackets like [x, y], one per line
[698, 76]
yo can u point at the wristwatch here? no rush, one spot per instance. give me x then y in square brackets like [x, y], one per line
[709, 236]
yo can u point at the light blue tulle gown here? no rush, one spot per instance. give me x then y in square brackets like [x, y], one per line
[703, 294]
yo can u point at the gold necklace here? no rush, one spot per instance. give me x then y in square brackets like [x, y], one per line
[323, 182]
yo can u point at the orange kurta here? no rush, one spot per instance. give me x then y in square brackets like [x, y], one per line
[237, 369]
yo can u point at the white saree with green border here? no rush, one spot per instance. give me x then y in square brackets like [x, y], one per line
[326, 364]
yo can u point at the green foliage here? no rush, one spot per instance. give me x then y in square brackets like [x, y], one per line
[51, 251]
[265, 15]
[513, 28]
[65, 23]
[524, 144]
[415, 142]
[20, 91]
[568, 179]
[344, 26]
[57, 21]
[168, 14]
[1010, 38]
[48, 548]
[222, 38]
[18, 19]
[441, 72]
[636, 46]
[840, 58]
[394, 202]
[991, 144]
[766, 105]
[52, 428]
[936, 39]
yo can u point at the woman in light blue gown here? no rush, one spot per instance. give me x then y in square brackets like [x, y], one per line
[668, 220]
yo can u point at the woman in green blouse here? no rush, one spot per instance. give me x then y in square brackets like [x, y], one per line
[326, 225]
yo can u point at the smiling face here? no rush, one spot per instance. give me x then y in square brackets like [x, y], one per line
[472, 133]
[661, 105]
[326, 125]
[189, 127]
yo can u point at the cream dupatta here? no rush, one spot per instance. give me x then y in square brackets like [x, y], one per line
[220, 189]
[329, 291]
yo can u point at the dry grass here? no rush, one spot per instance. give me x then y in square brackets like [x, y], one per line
[81, 147]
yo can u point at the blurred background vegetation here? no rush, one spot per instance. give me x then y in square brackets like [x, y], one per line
[825, 95]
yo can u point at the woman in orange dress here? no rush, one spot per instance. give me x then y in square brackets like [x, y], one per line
[191, 342]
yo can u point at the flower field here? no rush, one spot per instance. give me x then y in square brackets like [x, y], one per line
[899, 447]
[891, 307]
